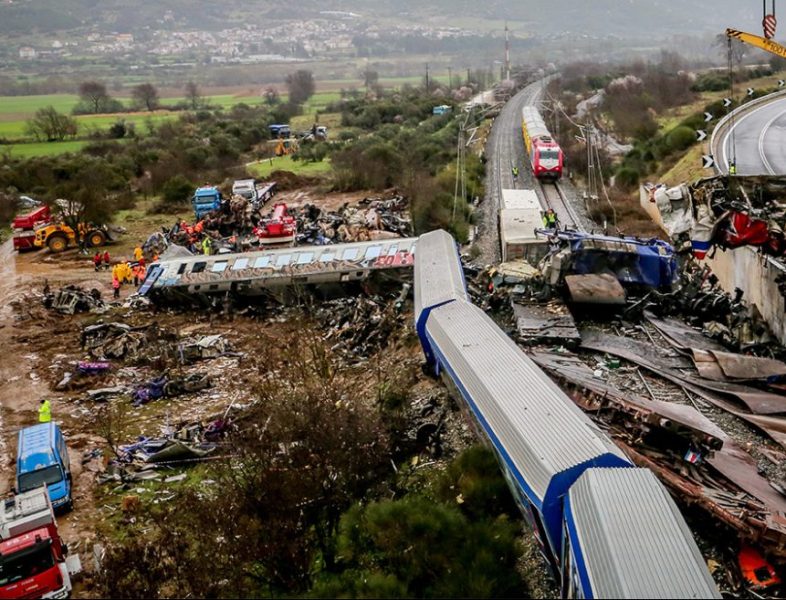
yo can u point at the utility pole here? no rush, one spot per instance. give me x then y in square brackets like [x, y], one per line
[507, 52]
[450, 79]
[469, 77]
[428, 86]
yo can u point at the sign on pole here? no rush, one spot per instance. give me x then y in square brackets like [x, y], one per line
[708, 161]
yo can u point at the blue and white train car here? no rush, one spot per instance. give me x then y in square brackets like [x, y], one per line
[543, 440]
[607, 528]
[625, 538]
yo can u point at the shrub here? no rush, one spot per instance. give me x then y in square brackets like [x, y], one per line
[176, 191]
[680, 138]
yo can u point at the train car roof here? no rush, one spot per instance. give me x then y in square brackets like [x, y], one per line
[438, 274]
[536, 428]
[519, 225]
[632, 540]
[520, 199]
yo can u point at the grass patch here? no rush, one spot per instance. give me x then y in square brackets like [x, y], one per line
[687, 168]
[140, 223]
[265, 167]
[330, 120]
[44, 148]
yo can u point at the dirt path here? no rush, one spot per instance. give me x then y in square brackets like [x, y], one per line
[20, 387]
[23, 379]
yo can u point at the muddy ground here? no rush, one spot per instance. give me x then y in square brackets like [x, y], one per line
[41, 346]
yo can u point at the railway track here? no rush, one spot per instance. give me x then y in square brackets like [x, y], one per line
[555, 198]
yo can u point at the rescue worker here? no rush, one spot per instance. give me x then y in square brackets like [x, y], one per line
[515, 172]
[732, 168]
[206, 245]
[115, 288]
[97, 261]
[128, 276]
[138, 253]
[44, 411]
[106, 260]
[142, 273]
[135, 273]
[550, 219]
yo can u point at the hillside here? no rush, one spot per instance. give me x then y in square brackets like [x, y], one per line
[626, 19]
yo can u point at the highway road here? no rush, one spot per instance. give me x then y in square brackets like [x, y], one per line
[757, 138]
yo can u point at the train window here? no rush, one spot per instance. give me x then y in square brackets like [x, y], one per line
[373, 252]
[182, 268]
[549, 155]
[392, 250]
[327, 257]
[350, 254]
[219, 267]
[283, 259]
[305, 258]
[262, 261]
[240, 263]
[198, 267]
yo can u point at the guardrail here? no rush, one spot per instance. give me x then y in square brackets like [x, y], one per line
[740, 110]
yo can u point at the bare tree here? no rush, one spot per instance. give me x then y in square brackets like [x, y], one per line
[370, 78]
[193, 96]
[301, 86]
[94, 94]
[146, 95]
[49, 125]
[271, 96]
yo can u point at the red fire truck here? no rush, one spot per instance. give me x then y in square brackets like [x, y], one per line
[33, 560]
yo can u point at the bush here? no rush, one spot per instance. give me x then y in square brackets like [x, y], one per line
[680, 138]
[627, 178]
[118, 130]
[176, 191]
[427, 549]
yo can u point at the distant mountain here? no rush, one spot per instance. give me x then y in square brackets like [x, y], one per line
[627, 18]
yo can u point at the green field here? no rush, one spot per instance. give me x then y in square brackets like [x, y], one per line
[15, 110]
[264, 168]
[43, 148]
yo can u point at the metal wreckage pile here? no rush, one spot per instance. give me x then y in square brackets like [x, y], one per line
[724, 212]
[686, 378]
[241, 225]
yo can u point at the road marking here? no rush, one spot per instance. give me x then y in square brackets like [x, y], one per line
[725, 141]
[764, 129]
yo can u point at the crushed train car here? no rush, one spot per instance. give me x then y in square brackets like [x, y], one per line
[723, 212]
[601, 268]
[252, 273]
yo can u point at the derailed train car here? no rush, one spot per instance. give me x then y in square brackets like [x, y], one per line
[607, 528]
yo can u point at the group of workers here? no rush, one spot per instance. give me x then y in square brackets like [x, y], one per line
[127, 271]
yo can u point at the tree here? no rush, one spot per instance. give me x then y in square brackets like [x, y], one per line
[193, 95]
[146, 95]
[301, 86]
[176, 191]
[425, 549]
[271, 96]
[94, 94]
[370, 78]
[49, 125]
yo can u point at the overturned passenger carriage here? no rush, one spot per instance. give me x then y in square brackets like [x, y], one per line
[254, 273]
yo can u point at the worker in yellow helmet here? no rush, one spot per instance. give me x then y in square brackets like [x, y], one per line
[44, 411]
